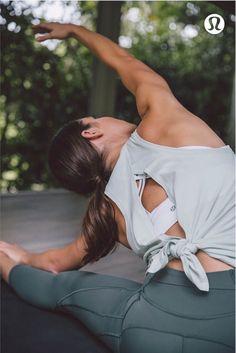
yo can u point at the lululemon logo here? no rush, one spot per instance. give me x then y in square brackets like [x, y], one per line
[214, 23]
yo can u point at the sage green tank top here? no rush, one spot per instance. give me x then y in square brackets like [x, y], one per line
[200, 182]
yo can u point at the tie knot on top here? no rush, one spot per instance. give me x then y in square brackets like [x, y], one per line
[180, 247]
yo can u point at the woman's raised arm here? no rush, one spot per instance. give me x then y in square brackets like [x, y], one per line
[150, 89]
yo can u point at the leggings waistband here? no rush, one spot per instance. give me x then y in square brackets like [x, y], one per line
[217, 280]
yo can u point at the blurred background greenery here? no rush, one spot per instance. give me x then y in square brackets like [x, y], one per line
[44, 86]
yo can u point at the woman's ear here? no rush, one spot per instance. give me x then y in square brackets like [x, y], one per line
[92, 133]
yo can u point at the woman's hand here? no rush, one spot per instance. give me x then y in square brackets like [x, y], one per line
[6, 265]
[15, 252]
[53, 30]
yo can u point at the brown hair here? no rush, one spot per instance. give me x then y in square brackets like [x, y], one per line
[79, 167]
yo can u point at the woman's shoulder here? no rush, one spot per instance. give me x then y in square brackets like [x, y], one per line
[186, 130]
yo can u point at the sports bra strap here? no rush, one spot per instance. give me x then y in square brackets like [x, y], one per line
[164, 215]
[141, 178]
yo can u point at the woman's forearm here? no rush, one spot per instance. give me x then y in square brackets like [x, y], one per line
[54, 260]
[105, 49]
[132, 71]
[58, 260]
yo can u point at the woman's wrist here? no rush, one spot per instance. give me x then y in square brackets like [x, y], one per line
[73, 30]
[27, 258]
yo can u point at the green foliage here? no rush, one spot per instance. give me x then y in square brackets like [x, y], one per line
[43, 89]
[199, 69]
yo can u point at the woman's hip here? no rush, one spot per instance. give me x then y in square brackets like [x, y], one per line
[174, 316]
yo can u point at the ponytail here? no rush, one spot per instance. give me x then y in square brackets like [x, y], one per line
[99, 226]
[79, 167]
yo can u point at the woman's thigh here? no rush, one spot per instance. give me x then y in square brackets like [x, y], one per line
[28, 329]
[99, 301]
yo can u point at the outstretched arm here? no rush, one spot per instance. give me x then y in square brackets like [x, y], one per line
[150, 89]
[53, 260]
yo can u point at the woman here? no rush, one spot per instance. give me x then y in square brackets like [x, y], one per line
[163, 189]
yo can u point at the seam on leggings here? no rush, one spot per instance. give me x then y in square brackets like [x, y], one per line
[175, 313]
[232, 275]
[89, 289]
[91, 311]
[189, 286]
[137, 298]
[113, 335]
[176, 334]
[109, 334]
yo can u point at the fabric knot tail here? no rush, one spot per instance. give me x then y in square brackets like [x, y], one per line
[156, 257]
[195, 272]
[174, 247]
[156, 261]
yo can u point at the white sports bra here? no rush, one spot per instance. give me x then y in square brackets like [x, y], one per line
[164, 215]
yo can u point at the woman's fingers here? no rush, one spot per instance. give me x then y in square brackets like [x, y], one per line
[4, 250]
[14, 251]
[42, 27]
[52, 30]
[5, 246]
[4, 243]
[2, 253]
[41, 38]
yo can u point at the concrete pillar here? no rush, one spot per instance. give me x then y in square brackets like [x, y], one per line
[103, 85]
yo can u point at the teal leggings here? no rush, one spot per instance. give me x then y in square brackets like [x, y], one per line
[165, 314]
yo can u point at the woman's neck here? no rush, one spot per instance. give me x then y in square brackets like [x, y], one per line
[114, 149]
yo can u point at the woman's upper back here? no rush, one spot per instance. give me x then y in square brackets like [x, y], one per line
[199, 182]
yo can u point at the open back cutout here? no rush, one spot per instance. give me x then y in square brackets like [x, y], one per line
[152, 196]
